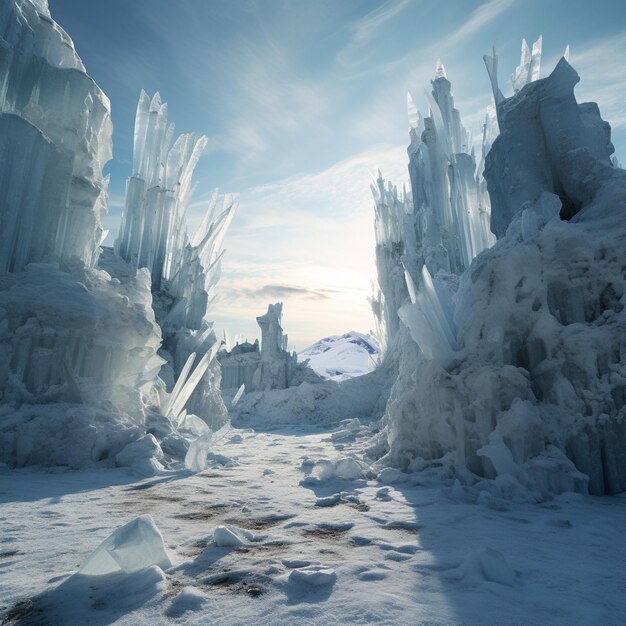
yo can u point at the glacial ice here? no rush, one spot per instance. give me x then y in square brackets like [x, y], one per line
[184, 268]
[441, 225]
[90, 344]
[516, 369]
[131, 548]
[51, 180]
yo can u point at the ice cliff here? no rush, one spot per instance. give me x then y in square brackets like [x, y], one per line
[515, 367]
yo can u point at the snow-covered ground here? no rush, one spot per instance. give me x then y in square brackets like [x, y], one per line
[319, 549]
[340, 357]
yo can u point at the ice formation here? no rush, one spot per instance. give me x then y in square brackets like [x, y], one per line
[90, 343]
[270, 366]
[277, 366]
[443, 223]
[184, 269]
[78, 339]
[51, 180]
[516, 370]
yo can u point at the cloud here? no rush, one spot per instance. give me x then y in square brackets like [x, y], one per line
[286, 291]
[366, 27]
[480, 17]
[307, 240]
[602, 69]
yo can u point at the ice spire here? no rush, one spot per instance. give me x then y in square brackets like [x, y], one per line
[414, 115]
[440, 70]
[529, 66]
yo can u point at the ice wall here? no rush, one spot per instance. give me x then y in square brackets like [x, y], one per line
[55, 132]
[518, 374]
[78, 337]
[563, 148]
[78, 362]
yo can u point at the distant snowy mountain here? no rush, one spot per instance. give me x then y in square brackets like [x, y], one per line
[342, 356]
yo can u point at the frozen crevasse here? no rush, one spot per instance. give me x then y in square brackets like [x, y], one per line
[533, 388]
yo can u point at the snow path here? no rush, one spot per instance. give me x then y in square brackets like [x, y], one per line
[400, 554]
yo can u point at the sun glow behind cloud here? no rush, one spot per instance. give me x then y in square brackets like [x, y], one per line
[307, 241]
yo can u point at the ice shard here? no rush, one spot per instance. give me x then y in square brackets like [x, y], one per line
[394, 239]
[184, 267]
[444, 222]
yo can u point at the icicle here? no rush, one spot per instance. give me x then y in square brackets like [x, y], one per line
[238, 395]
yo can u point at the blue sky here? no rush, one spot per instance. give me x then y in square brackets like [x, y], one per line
[302, 101]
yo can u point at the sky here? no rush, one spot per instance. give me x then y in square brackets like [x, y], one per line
[302, 102]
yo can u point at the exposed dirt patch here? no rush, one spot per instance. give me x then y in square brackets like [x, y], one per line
[206, 513]
[412, 528]
[273, 546]
[333, 534]
[156, 497]
[236, 582]
[258, 523]
[23, 612]
[7, 554]
[360, 506]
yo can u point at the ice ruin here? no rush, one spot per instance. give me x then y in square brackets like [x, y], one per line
[270, 367]
[510, 353]
[97, 348]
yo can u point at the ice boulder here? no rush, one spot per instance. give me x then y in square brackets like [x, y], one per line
[141, 455]
[133, 547]
[228, 536]
[313, 576]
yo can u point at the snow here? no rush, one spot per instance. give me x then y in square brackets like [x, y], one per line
[414, 551]
[340, 357]
[320, 403]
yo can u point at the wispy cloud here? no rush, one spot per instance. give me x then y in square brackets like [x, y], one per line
[602, 69]
[266, 292]
[366, 27]
[484, 15]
